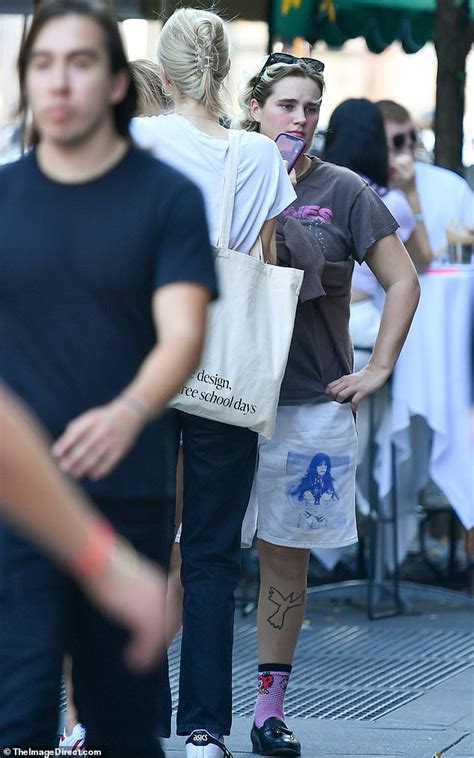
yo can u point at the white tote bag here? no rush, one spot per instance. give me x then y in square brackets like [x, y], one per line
[249, 330]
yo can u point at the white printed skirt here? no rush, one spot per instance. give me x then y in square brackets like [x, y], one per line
[303, 493]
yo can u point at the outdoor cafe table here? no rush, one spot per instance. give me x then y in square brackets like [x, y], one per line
[428, 417]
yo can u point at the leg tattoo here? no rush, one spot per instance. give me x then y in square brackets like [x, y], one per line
[284, 604]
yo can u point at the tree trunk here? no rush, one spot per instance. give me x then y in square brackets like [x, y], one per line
[453, 36]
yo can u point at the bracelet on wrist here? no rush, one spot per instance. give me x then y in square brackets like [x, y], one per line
[419, 217]
[135, 405]
[94, 557]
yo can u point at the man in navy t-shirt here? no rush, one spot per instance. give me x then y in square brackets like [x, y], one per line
[105, 275]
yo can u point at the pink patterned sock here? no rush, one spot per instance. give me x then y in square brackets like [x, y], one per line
[271, 688]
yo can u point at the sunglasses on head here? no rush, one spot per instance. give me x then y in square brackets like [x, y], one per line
[399, 140]
[289, 59]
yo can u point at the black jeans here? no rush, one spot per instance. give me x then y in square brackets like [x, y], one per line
[219, 464]
[42, 614]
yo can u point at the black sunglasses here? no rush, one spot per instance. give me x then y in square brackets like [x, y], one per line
[289, 59]
[399, 140]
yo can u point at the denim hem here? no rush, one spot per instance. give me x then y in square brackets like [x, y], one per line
[162, 734]
[185, 729]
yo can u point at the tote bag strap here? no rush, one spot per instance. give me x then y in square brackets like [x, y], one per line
[228, 189]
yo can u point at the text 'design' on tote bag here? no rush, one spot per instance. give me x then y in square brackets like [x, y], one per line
[249, 330]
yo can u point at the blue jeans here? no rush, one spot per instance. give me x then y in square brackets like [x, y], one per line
[219, 465]
[42, 614]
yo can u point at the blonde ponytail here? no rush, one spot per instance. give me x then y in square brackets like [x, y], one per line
[193, 49]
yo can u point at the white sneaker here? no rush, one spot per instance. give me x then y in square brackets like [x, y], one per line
[201, 744]
[73, 741]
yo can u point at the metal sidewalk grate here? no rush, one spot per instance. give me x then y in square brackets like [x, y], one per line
[350, 672]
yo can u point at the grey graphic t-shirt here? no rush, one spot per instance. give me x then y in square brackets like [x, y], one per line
[346, 217]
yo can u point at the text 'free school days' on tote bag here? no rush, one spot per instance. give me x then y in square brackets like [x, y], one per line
[249, 330]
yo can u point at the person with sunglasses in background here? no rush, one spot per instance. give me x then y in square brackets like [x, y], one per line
[437, 196]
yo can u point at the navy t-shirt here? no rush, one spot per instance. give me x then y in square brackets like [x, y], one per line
[79, 264]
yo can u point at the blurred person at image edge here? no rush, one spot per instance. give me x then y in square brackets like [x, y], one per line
[107, 272]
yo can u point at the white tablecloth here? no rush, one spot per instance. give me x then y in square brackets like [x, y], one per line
[431, 394]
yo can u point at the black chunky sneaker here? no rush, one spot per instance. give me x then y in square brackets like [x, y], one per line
[274, 738]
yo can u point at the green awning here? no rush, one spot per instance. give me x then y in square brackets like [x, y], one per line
[381, 22]
[293, 18]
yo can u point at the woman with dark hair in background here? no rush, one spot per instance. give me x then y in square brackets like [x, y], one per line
[355, 138]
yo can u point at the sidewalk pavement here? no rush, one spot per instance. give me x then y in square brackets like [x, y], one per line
[427, 647]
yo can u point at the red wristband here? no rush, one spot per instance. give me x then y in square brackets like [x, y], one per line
[92, 559]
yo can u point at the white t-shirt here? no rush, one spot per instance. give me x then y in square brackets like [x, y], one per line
[263, 187]
[444, 196]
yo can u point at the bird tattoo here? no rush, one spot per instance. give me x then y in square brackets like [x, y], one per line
[284, 604]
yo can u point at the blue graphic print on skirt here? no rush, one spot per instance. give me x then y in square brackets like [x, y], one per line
[314, 495]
